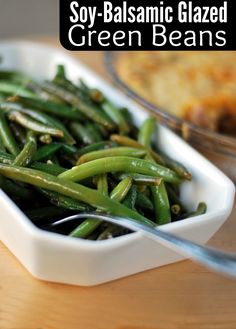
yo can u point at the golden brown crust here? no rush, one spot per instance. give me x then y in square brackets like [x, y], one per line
[197, 86]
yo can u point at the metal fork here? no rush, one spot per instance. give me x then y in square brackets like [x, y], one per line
[217, 260]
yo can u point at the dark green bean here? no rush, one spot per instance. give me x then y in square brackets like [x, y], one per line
[6, 136]
[81, 133]
[44, 152]
[90, 111]
[25, 157]
[161, 204]
[59, 110]
[131, 197]
[64, 201]
[143, 202]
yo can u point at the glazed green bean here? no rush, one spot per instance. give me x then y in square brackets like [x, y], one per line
[115, 115]
[44, 152]
[95, 147]
[161, 204]
[27, 122]
[81, 133]
[6, 136]
[112, 152]
[118, 194]
[142, 201]
[127, 141]
[91, 112]
[73, 190]
[15, 89]
[140, 179]
[52, 169]
[131, 197]
[146, 132]
[65, 202]
[120, 163]
[15, 190]
[89, 225]
[25, 157]
[121, 190]
[59, 110]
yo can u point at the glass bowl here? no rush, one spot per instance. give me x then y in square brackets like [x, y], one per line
[218, 148]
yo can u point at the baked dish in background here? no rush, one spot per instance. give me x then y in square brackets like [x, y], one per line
[199, 87]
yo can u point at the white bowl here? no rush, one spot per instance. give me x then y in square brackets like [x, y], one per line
[53, 257]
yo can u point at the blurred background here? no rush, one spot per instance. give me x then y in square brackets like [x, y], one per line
[24, 18]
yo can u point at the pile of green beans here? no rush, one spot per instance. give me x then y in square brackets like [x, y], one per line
[65, 148]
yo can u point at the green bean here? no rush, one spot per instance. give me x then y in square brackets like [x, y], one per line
[18, 132]
[55, 170]
[61, 73]
[2, 147]
[52, 169]
[15, 190]
[27, 122]
[44, 152]
[143, 202]
[91, 112]
[173, 197]
[95, 147]
[127, 141]
[146, 132]
[102, 184]
[161, 204]
[142, 179]
[65, 202]
[178, 168]
[93, 130]
[112, 152]
[60, 110]
[69, 149]
[73, 190]
[121, 190]
[89, 225]
[118, 194]
[120, 163]
[15, 89]
[131, 197]
[201, 209]
[24, 158]
[81, 133]
[7, 137]
[115, 115]
[14, 76]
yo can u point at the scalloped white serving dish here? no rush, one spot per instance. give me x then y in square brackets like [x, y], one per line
[53, 257]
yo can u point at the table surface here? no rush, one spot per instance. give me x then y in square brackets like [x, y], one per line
[178, 296]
